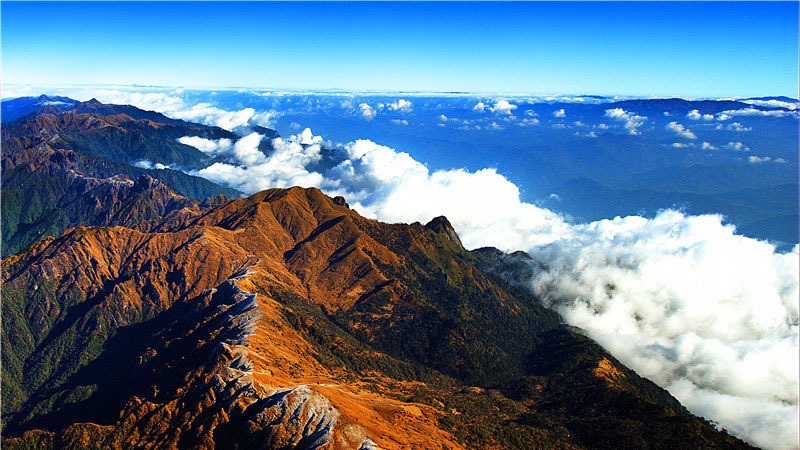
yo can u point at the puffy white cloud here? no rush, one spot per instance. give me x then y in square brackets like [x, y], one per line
[681, 130]
[695, 115]
[708, 146]
[284, 167]
[400, 105]
[682, 145]
[212, 147]
[145, 164]
[772, 103]
[764, 159]
[559, 113]
[400, 121]
[230, 120]
[502, 106]
[631, 122]
[442, 118]
[528, 122]
[736, 146]
[758, 112]
[367, 112]
[736, 126]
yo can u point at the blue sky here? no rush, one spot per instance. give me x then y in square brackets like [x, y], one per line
[690, 49]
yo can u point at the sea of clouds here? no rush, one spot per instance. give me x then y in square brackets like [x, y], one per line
[710, 315]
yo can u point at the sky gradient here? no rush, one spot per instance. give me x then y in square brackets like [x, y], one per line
[687, 49]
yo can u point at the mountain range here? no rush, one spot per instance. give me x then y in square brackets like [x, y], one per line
[147, 308]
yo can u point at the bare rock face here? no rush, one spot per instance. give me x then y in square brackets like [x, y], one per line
[339, 200]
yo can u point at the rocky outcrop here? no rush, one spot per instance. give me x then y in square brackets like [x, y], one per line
[441, 225]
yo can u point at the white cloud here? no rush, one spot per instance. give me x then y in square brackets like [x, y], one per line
[758, 112]
[230, 120]
[736, 146]
[708, 146]
[683, 132]
[212, 147]
[736, 126]
[307, 138]
[502, 107]
[528, 122]
[764, 159]
[244, 151]
[695, 115]
[400, 121]
[400, 105]
[367, 112]
[145, 164]
[682, 145]
[772, 103]
[689, 304]
[559, 113]
[442, 118]
[631, 122]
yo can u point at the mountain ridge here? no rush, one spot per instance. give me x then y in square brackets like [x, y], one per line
[269, 242]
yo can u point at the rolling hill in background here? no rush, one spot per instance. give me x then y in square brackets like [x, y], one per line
[150, 308]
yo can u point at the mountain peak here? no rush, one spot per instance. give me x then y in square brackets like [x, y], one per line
[441, 225]
[93, 102]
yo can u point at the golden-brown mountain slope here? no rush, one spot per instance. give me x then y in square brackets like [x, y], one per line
[287, 320]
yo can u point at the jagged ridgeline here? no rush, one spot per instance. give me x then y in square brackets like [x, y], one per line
[286, 320]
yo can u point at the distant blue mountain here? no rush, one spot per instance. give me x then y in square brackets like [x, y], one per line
[679, 105]
[780, 98]
[13, 109]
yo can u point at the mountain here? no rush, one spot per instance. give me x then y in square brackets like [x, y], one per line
[738, 193]
[682, 106]
[117, 137]
[780, 98]
[62, 169]
[287, 320]
[136, 316]
[13, 109]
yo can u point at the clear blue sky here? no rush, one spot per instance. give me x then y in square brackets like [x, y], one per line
[704, 49]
